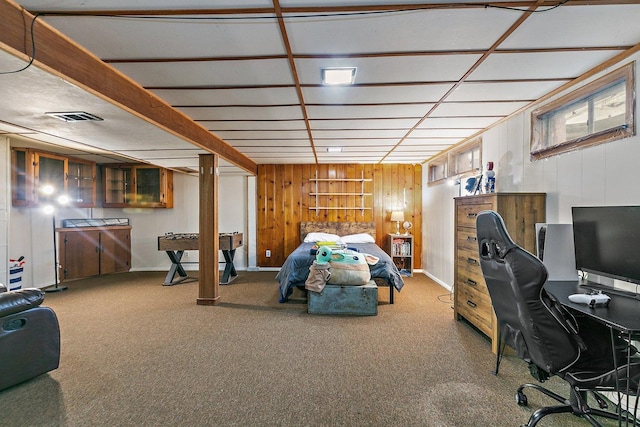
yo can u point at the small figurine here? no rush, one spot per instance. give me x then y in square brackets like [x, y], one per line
[490, 184]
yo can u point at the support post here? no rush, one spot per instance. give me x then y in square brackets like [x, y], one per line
[208, 243]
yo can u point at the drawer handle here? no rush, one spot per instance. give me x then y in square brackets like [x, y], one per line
[472, 215]
[471, 282]
[472, 239]
[472, 261]
[471, 304]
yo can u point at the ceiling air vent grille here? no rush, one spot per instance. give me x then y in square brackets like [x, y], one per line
[75, 116]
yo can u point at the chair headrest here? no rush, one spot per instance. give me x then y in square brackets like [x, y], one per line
[493, 238]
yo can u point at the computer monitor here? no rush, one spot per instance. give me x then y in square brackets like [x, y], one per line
[607, 241]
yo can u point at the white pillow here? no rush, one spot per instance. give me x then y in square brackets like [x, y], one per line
[321, 237]
[358, 238]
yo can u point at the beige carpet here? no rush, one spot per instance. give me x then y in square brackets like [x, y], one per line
[136, 353]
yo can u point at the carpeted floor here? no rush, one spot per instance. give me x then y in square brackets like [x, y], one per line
[136, 353]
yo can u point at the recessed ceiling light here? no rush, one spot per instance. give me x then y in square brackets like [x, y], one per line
[334, 149]
[338, 76]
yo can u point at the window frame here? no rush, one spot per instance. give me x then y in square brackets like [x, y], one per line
[541, 148]
[451, 158]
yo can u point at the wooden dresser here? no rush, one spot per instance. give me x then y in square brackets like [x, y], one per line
[520, 211]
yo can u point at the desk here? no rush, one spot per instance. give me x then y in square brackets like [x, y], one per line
[622, 314]
[175, 245]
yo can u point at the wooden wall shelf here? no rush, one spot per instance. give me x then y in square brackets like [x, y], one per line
[361, 194]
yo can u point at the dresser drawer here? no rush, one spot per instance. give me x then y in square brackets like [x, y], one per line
[472, 279]
[476, 308]
[467, 239]
[468, 261]
[466, 214]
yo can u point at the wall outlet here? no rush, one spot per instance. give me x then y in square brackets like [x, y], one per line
[186, 254]
[268, 254]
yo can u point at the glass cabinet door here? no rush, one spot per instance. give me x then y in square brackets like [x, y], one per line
[50, 170]
[81, 183]
[118, 185]
[148, 185]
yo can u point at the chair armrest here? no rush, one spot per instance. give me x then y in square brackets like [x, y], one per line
[16, 301]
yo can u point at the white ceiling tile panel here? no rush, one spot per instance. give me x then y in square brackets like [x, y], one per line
[275, 144]
[351, 124]
[364, 133]
[375, 94]
[263, 135]
[574, 26]
[503, 66]
[477, 109]
[391, 69]
[244, 113]
[131, 37]
[68, 5]
[210, 73]
[412, 30]
[460, 125]
[381, 112]
[254, 96]
[243, 125]
[365, 142]
[523, 91]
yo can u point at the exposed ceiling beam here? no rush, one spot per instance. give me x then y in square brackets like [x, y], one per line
[90, 73]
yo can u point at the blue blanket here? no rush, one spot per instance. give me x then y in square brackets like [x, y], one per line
[295, 270]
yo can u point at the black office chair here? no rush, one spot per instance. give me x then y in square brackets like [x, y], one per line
[546, 335]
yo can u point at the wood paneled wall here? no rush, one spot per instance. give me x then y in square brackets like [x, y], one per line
[285, 198]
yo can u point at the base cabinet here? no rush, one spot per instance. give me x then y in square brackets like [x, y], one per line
[92, 251]
[521, 212]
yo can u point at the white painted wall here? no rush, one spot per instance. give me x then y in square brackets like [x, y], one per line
[5, 202]
[31, 232]
[606, 174]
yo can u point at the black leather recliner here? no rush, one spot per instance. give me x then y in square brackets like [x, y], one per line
[545, 334]
[29, 337]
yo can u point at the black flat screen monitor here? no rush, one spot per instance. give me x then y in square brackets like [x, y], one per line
[607, 241]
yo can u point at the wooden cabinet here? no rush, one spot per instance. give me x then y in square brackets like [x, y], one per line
[92, 251]
[32, 169]
[133, 185]
[520, 211]
[400, 249]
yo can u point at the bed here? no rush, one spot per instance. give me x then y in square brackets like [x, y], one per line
[295, 270]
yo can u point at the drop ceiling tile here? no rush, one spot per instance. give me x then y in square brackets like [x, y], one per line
[364, 133]
[244, 113]
[262, 135]
[566, 65]
[210, 73]
[390, 69]
[575, 26]
[462, 109]
[503, 91]
[285, 126]
[139, 37]
[382, 112]
[217, 97]
[412, 30]
[399, 125]
[375, 94]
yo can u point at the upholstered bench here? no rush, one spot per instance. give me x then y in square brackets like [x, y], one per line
[345, 299]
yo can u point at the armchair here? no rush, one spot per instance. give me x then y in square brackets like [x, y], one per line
[29, 337]
[545, 334]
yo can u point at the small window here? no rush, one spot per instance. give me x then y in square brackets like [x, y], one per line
[463, 160]
[601, 111]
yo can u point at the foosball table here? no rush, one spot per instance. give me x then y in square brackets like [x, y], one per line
[174, 244]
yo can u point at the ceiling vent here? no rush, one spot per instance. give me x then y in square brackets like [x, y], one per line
[75, 116]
